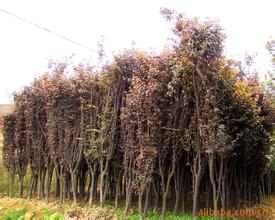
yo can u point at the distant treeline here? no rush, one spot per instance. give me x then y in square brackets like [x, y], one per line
[177, 131]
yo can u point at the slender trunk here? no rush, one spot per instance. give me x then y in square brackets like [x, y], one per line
[61, 191]
[197, 173]
[195, 196]
[21, 184]
[42, 173]
[165, 190]
[91, 191]
[263, 186]
[43, 182]
[74, 187]
[140, 206]
[48, 182]
[11, 184]
[101, 190]
[177, 181]
[35, 183]
[88, 187]
[92, 188]
[117, 190]
[166, 186]
[127, 200]
[106, 186]
[61, 186]
[57, 187]
[103, 171]
[82, 184]
[67, 186]
[162, 217]
[223, 192]
[176, 200]
[183, 199]
[269, 182]
[146, 201]
[237, 188]
[213, 183]
[156, 192]
[249, 192]
[260, 193]
[31, 186]
[228, 196]
[208, 196]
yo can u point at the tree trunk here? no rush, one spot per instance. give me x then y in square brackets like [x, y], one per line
[11, 184]
[162, 217]
[62, 187]
[31, 186]
[35, 183]
[197, 174]
[263, 186]
[48, 182]
[177, 189]
[127, 200]
[183, 198]
[213, 183]
[195, 196]
[269, 182]
[223, 192]
[21, 184]
[117, 190]
[42, 174]
[74, 187]
[156, 192]
[140, 206]
[103, 171]
[92, 188]
[106, 186]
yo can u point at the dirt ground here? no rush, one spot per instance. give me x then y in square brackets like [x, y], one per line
[270, 205]
[11, 204]
[38, 208]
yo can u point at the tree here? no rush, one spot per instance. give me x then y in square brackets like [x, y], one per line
[9, 148]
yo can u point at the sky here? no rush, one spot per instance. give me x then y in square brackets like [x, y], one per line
[25, 49]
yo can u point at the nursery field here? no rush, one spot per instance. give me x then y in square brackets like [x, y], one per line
[21, 208]
[184, 134]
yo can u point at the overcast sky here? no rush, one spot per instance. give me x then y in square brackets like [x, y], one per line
[25, 49]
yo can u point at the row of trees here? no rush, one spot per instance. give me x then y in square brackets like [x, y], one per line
[187, 127]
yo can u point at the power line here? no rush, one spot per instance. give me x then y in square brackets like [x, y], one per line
[46, 30]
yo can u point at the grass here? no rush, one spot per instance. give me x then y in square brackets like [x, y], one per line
[14, 208]
[22, 214]
[155, 216]
[14, 215]
[168, 216]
